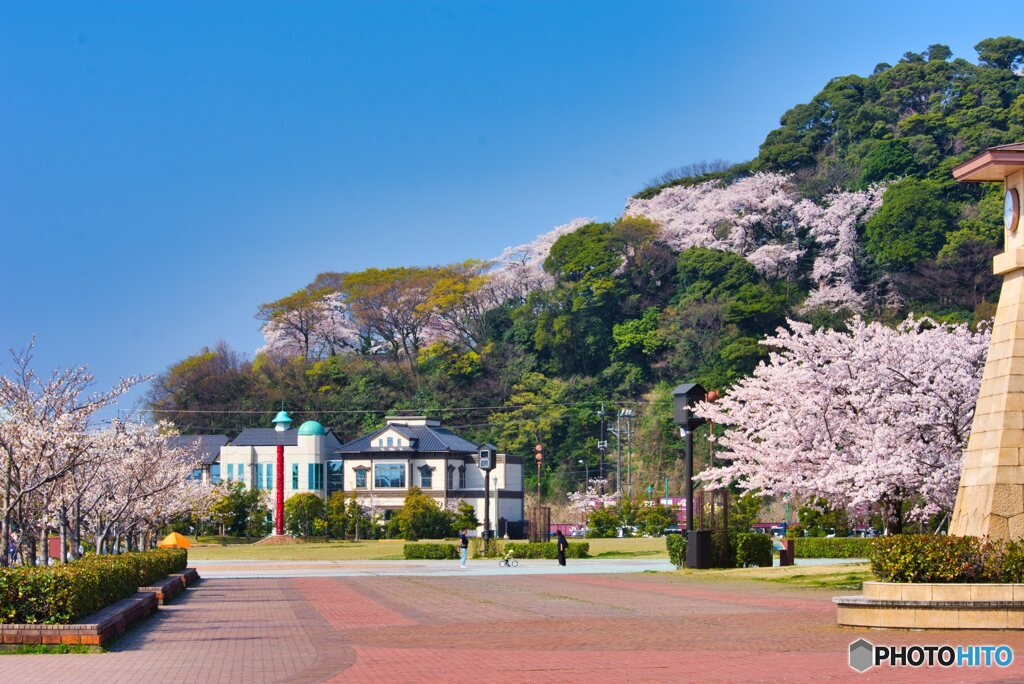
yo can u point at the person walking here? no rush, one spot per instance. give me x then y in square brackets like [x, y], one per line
[464, 548]
[563, 545]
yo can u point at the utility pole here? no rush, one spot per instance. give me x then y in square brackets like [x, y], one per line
[629, 450]
[618, 430]
[618, 453]
[602, 446]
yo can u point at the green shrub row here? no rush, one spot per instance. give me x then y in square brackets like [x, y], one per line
[545, 549]
[430, 551]
[932, 558]
[63, 593]
[676, 544]
[833, 547]
[742, 549]
[753, 550]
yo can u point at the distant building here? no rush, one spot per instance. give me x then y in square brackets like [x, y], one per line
[415, 451]
[380, 467]
[208, 448]
[308, 452]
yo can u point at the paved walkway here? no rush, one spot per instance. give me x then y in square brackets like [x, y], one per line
[243, 569]
[512, 628]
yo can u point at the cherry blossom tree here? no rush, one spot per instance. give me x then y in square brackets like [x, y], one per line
[44, 437]
[144, 481]
[592, 498]
[519, 270]
[833, 224]
[874, 416]
[318, 328]
[743, 217]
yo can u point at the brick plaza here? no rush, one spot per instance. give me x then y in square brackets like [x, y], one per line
[557, 627]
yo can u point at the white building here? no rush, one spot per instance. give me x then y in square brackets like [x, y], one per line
[380, 467]
[416, 451]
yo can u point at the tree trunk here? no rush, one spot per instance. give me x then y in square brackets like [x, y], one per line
[76, 551]
[44, 539]
[5, 555]
[63, 534]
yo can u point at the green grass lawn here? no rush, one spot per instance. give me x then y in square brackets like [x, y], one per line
[633, 547]
[333, 550]
[221, 548]
[839, 576]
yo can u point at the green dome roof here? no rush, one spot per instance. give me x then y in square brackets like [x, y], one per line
[311, 427]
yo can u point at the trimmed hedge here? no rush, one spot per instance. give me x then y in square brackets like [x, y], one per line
[942, 559]
[676, 544]
[753, 550]
[61, 594]
[430, 551]
[833, 547]
[740, 549]
[545, 549]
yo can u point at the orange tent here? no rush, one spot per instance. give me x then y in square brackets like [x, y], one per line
[175, 541]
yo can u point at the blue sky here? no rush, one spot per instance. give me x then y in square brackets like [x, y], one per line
[165, 167]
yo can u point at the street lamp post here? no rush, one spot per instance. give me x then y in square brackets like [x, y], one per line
[539, 457]
[586, 470]
[282, 421]
[685, 397]
[486, 462]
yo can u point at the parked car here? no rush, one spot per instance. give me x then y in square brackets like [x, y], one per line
[673, 529]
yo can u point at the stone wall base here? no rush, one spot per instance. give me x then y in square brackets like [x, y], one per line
[933, 606]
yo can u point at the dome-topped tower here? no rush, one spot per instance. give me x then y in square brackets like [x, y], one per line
[311, 427]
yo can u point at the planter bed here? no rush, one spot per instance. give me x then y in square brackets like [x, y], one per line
[934, 606]
[94, 630]
[188, 576]
[166, 589]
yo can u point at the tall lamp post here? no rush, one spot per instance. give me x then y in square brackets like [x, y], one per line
[282, 421]
[698, 543]
[486, 454]
[539, 457]
[586, 470]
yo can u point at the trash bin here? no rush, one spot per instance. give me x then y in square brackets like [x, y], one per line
[698, 549]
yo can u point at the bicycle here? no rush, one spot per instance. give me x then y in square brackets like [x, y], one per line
[508, 563]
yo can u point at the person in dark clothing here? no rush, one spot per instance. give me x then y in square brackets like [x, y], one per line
[563, 545]
[463, 548]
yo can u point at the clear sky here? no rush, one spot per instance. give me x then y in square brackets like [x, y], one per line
[165, 167]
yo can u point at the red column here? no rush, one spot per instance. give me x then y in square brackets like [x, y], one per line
[279, 508]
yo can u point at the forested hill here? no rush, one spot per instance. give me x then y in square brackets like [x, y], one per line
[849, 208]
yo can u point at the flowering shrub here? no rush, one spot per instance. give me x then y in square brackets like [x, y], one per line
[62, 594]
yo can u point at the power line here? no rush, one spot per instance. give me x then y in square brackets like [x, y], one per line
[500, 407]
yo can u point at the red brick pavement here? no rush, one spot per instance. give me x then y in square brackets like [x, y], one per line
[560, 628]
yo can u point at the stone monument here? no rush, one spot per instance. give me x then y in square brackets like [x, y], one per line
[990, 499]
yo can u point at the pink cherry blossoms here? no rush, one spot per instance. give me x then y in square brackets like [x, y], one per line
[833, 225]
[519, 270]
[873, 417]
[762, 218]
[60, 474]
[325, 328]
